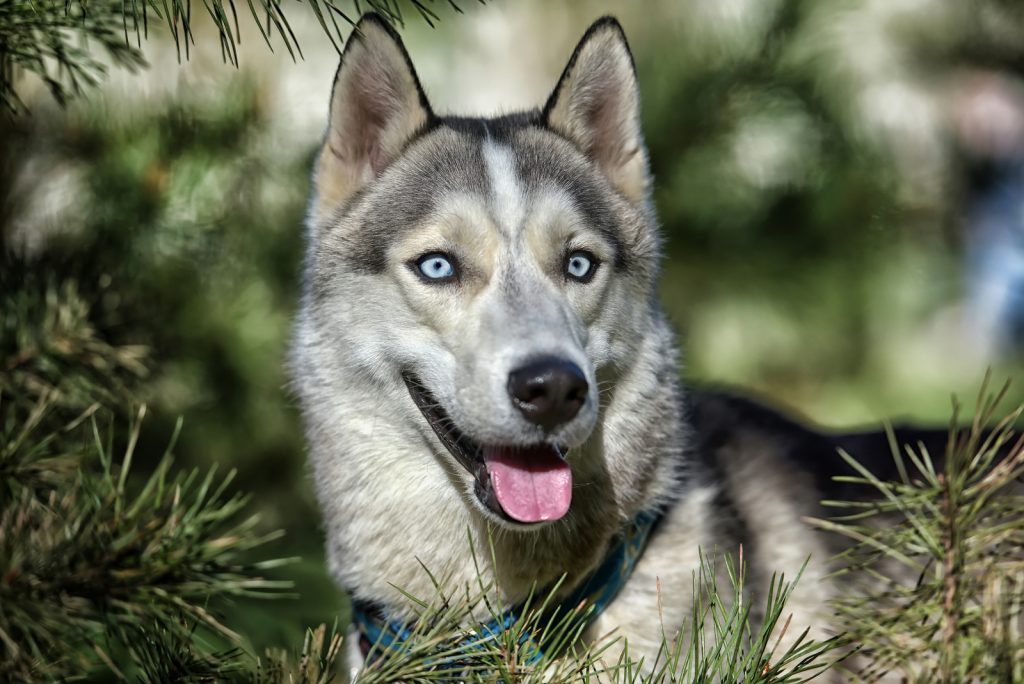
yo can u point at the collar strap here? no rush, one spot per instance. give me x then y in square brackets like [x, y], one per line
[379, 635]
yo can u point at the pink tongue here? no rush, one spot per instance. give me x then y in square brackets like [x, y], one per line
[532, 484]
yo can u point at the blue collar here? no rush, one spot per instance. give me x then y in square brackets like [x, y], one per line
[379, 634]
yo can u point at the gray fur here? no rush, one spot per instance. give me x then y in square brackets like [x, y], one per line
[507, 196]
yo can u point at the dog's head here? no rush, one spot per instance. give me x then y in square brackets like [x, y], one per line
[500, 269]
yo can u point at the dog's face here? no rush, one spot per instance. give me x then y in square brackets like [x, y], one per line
[499, 268]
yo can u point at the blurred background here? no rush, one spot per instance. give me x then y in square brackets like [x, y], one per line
[841, 187]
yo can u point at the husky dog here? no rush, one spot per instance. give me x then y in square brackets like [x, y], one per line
[480, 346]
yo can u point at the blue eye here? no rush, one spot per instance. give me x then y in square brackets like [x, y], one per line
[436, 266]
[580, 266]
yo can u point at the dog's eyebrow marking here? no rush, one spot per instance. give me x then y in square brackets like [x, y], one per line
[540, 169]
[506, 192]
[410, 196]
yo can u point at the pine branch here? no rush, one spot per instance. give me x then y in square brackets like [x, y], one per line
[54, 40]
[163, 654]
[317, 662]
[939, 558]
[59, 40]
[87, 564]
[50, 349]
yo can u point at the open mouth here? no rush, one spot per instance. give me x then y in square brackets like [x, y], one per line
[522, 484]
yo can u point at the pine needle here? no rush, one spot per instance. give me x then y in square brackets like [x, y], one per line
[61, 41]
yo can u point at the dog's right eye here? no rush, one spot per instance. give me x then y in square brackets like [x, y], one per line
[436, 267]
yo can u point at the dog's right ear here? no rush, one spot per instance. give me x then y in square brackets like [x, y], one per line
[377, 106]
[596, 105]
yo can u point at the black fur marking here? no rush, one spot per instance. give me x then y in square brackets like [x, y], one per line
[711, 431]
[719, 417]
[539, 166]
[536, 170]
[408, 202]
[499, 128]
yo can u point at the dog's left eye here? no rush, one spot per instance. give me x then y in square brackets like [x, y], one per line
[436, 266]
[580, 266]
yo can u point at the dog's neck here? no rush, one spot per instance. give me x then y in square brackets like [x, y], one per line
[396, 506]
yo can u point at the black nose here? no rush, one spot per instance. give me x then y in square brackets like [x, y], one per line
[549, 392]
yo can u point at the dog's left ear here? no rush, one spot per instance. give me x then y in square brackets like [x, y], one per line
[596, 105]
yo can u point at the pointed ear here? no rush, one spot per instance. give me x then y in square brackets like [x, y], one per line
[377, 106]
[596, 105]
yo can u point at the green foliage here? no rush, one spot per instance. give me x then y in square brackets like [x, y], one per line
[806, 212]
[186, 196]
[53, 351]
[59, 40]
[171, 283]
[89, 561]
[936, 573]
